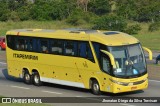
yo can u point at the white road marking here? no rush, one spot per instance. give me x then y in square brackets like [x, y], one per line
[124, 104]
[20, 87]
[52, 92]
[79, 96]
[154, 80]
[3, 63]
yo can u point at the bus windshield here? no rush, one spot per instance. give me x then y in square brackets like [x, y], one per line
[130, 61]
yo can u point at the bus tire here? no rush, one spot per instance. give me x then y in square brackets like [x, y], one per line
[0, 48]
[95, 87]
[36, 79]
[27, 78]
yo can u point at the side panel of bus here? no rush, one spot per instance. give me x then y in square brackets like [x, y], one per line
[65, 64]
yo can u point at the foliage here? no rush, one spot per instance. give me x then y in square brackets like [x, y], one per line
[78, 17]
[99, 7]
[133, 29]
[149, 11]
[41, 10]
[103, 14]
[59, 10]
[137, 10]
[110, 22]
[126, 9]
[14, 16]
[4, 11]
[154, 27]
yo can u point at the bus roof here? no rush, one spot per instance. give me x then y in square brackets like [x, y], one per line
[111, 38]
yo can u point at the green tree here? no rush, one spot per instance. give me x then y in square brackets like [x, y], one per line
[126, 9]
[99, 7]
[61, 9]
[70, 5]
[4, 11]
[14, 10]
[24, 12]
[110, 22]
[78, 17]
[154, 27]
[133, 29]
[41, 10]
[83, 4]
[14, 16]
[52, 9]
[148, 10]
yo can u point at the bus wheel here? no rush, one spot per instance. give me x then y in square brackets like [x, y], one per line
[0, 48]
[27, 78]
[36, 79]
[95, 87]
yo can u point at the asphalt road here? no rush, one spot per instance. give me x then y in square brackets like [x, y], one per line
[12, 87]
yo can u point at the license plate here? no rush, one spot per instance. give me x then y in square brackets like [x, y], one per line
[133, 88]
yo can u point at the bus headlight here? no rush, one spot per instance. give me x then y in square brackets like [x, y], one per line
[119, 83]
[145, 79]
[128, 83]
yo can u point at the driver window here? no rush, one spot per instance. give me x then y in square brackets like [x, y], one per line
[105, 64]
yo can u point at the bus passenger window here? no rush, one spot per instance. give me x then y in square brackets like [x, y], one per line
[82, 50]
[85, 51]
[69, 48]
[25, 44]
[17, 45]
[56, 47]
[20, 44]
[89, 53]
[97, 49]
[10, 41]
[44, 46]
[44, 49]
[30, 45]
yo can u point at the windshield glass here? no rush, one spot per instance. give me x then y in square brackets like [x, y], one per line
[129, 60]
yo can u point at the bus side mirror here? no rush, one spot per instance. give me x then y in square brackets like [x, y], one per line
[149, 51]
[111, 57]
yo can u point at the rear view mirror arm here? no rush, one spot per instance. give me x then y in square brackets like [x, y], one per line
[111, 57]
[149, 51]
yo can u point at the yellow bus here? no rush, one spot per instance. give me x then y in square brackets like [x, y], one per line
[108, 61]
